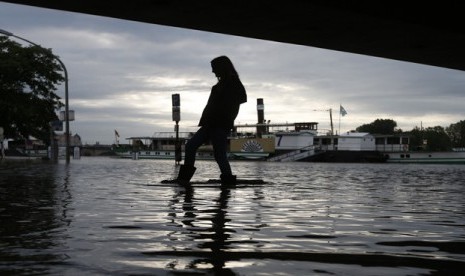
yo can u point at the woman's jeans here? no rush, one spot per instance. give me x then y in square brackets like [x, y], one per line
[219, 140]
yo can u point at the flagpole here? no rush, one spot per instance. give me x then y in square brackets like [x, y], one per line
[116, 138]
[342, 112]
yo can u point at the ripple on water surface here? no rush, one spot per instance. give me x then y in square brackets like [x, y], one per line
[115, 216]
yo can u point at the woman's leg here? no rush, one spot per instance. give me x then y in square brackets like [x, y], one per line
[219, 139]
[200, 137]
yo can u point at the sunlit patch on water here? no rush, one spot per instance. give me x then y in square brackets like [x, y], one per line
[115, 216]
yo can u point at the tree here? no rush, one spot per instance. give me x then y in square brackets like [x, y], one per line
[379, 126]
[28, 80]
[416, 139]
[430, 138]
[456, 134]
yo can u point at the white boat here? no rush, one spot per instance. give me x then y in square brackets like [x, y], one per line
[242, 145]
[275, 140]
[296, 144]
[293, 142]
[161, 145]
[441, 157]
[396, 149]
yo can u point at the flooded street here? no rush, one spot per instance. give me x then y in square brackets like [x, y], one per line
[105, 216]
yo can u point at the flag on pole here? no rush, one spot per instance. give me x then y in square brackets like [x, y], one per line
[116, 133]
[343, 111]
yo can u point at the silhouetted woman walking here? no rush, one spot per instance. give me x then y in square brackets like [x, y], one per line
[217, 121]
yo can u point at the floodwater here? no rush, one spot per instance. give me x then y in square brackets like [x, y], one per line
[106, 216]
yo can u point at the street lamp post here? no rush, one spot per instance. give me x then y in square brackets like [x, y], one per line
[66, 90]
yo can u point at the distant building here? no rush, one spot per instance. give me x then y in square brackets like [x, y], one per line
[356, 141]
[74, 140]
[33, 143]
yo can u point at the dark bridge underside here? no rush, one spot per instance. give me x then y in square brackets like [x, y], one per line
[429, 34]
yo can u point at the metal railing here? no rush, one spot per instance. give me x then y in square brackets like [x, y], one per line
[294, 155]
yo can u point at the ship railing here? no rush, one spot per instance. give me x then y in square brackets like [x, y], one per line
[294, 155]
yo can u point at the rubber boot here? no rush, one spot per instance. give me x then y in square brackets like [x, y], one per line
[228, 180]
[185, 175]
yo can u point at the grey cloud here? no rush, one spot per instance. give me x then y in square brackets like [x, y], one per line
[108, 59]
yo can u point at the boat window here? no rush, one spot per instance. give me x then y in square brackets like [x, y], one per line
[393, 140]
[402, 156]
[379, 141]
[326, 141]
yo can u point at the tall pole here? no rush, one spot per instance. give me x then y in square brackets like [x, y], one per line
[66, 90]
[331, 119]
[176, 103]
[261, 117]
[66, 111]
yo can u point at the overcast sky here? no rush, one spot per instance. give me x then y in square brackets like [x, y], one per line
[122, 75]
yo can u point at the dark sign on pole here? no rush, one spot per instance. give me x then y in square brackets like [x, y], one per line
[176, 100]
[57, 125]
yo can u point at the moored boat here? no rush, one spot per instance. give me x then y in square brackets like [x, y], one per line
[442, 157]
[161, 145]
[292, 142]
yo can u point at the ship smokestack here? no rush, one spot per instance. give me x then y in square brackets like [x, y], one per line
[261, 118]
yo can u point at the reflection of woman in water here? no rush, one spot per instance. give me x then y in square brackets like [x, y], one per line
[217, 121]
[213, 241]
